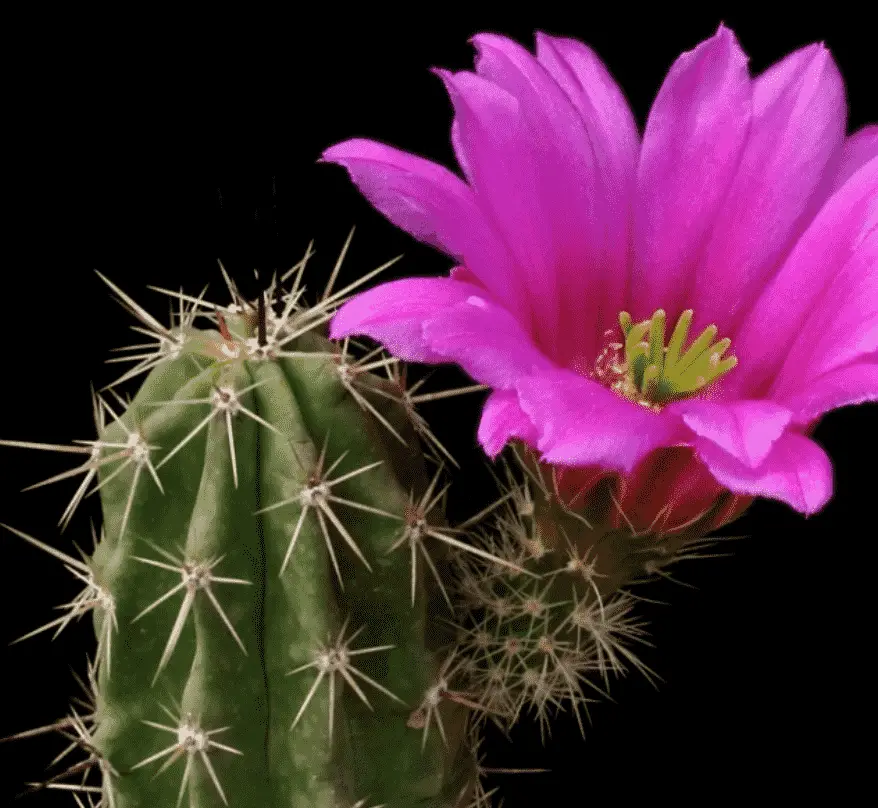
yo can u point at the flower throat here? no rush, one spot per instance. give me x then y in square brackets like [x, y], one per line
[645, 370]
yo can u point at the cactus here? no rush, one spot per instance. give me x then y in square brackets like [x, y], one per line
[259, 635]
[283, 615]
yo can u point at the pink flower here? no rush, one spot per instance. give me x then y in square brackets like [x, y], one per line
[583, 245]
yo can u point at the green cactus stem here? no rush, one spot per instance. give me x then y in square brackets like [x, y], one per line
[262, 641]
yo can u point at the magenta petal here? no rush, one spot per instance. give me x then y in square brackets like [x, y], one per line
[394, 314]
[581, 423]
[512, 181]
[745, 429]
[584, 227]
[797, 471]
[842, 328]
[859, 148]
[435, 206]
[795, 138]
[417, 195]
[502, 420]
[612, 130]
[601, 104]
[694, 138]
[459, 152]
[485, 340]
[854, 384]
[777, 321]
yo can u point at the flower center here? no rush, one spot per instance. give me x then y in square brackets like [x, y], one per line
[646, 370]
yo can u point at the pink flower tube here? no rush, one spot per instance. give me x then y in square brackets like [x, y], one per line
[667, 315]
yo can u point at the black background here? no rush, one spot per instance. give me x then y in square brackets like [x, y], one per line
[147, 148]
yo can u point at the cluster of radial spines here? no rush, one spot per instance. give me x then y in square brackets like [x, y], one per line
[278, 317]
[352, 373]
[409, 398]
[88, 779]
[93, 597]
[133, 450]
[192, 741]
[535, 640]
[336, 658]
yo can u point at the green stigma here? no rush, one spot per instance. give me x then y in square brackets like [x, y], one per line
[653, 373]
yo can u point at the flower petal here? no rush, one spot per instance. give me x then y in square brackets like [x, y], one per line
[859, 148]
[854, 384]
[768, 335]
[694, 138]
[485, 340]
[612, 130]
[587, 488]
[745, 429]
[797, 471]
[581, 423]
[502, 420]
[796, 135]
[587, 213]
[842, 328]
[513, 181]
[600, 102]
[394, 314]
[463, 274]
[435, 206]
